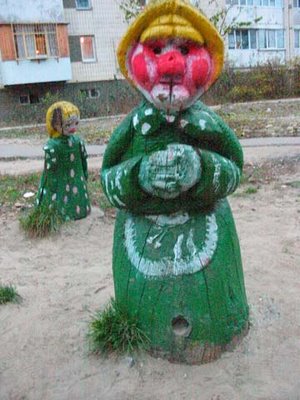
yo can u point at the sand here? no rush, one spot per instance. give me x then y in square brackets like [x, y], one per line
[64, 279]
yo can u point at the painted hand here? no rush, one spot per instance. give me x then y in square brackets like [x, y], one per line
[167, 173]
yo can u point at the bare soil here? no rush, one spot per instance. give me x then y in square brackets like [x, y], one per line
[64, 279]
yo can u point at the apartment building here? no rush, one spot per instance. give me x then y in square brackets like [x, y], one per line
[68, 48]
[34, 49]
[273, 32]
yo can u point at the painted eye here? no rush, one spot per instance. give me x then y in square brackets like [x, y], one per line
[76, 122]
[157, 50]
[184, 50]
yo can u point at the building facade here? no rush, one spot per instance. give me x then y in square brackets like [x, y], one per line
[68, 47]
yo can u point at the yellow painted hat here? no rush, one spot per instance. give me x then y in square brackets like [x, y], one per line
[61, 110]
[173, 18]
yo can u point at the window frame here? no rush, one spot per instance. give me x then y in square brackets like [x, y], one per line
[267, 39]
[88, 60]
[81, 8]
[28, 34]
[256, 3]
[238, 34]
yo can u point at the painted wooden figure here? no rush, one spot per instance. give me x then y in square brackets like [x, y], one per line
[64, 180]
[168, 169]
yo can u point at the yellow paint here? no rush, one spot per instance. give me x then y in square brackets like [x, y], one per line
[67, 111]
[173, 18]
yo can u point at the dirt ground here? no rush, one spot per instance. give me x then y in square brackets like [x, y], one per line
[64, 279]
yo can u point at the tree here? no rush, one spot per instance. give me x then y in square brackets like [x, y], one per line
[220, 19]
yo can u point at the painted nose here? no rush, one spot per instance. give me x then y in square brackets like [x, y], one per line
[171, 66]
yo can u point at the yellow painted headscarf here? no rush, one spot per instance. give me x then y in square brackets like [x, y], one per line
[168, 19]
[63, 110]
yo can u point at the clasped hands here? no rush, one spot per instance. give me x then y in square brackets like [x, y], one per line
[167, 173]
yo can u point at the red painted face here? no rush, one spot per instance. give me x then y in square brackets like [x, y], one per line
[172, 74]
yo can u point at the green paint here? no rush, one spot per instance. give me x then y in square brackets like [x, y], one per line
[64, 179]
[176, 258]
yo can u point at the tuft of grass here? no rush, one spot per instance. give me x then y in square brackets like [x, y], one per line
[41, 221]
[251, 190]
[114, 330]
[8, 294]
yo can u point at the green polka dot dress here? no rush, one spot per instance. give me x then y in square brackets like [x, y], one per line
[64, 180]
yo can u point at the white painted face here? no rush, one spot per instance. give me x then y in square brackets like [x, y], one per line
[70, 125]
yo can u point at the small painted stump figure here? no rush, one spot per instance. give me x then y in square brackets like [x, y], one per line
[168, 168]
[64, 180]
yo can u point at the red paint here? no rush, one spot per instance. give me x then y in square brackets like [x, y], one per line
[182, 64]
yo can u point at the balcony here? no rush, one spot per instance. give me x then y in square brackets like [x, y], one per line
[34, 53]
[36, 70]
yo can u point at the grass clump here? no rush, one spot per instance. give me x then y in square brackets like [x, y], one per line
[114, 330]
[8, 294]
[41, 221]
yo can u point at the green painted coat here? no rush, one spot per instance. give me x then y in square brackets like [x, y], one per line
[179, 258]
[64, 179]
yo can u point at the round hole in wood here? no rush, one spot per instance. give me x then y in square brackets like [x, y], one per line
[181, 327]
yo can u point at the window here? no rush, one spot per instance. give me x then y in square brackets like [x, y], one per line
[90, 93]
[296, 3]
[259, 3]
[29, 98]
[87, 46]
[271, 39]
[242, 39]
[35, 41]
[83, 4]
[297, 38]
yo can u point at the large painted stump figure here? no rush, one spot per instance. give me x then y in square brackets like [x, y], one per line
[64, 181]
[168, 168]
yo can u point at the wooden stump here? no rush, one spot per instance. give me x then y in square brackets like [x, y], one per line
[189, 317]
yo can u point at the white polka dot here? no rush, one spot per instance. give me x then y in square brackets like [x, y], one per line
[145, 128]
[183, 123]
[47, 155]
[149, 111]
[72, 173]
[67, 188]
[135, 120]
[54, 160]
[72, 157]
[54, 196]
[44, 191]
[51, 150]
[75, 190]
[202, 124]
[70, 143]
[37, 201]
[84, 186]
[86, 196]
[65, 199]
[78, 210]
[46, 147]
[81, 178]
[48, 166]
[170, 118]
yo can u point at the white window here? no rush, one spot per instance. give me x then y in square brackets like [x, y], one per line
[35, 41]
[244, 39]
[271, 39]
[87, 44]
[261, 3]
[297, 38]
[83, 4]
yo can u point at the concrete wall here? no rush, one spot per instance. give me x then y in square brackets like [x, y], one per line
[106, 23]
[31, 11]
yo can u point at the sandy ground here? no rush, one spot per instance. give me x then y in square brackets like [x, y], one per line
[62, 280]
